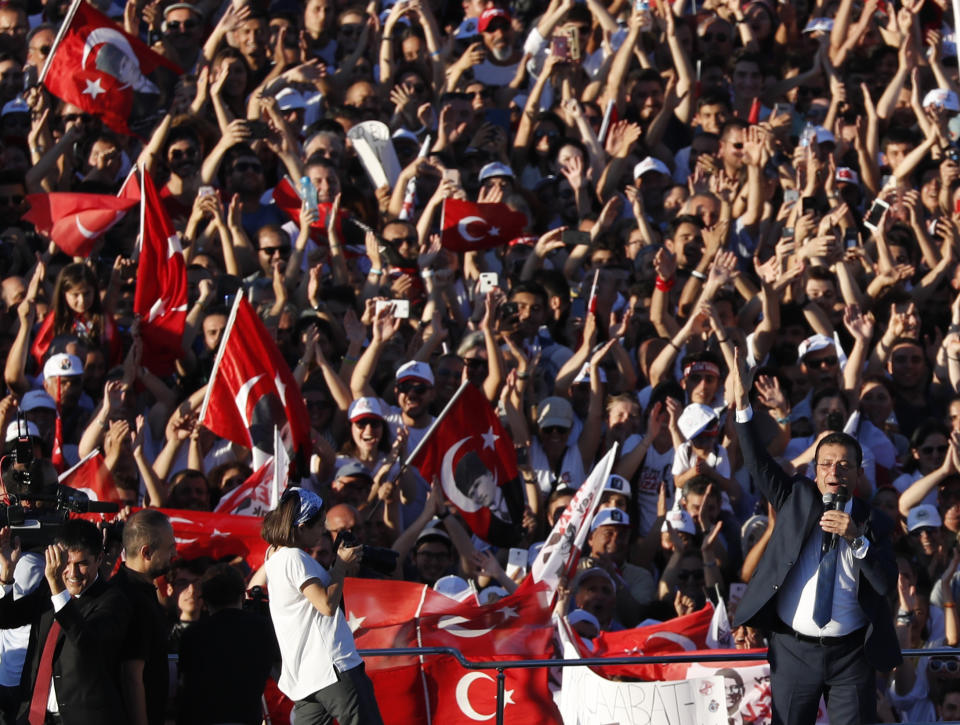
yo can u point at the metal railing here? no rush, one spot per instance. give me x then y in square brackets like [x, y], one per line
[502, 665]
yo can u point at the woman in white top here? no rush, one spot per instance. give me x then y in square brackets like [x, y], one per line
[322, 672]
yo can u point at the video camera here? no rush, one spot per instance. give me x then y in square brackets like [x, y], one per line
[34, 480]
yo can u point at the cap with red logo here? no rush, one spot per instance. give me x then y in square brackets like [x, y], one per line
[489, 15]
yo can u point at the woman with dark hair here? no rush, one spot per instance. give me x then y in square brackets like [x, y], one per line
[322, 672]
[929, 445]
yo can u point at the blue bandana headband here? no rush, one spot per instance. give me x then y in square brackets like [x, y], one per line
[310, 505]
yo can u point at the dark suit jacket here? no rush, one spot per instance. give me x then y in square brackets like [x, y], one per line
[86, 664]
[799, 506]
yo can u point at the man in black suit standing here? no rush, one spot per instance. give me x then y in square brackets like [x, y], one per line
[820, 589]
[72, 671]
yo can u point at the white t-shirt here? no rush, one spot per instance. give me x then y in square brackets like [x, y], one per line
[656, 467]
[27, 575]
[570, 475]
[311, 644]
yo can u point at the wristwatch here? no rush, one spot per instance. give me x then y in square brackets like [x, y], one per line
[857, 543]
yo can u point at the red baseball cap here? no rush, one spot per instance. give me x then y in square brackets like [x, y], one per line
[489, 15]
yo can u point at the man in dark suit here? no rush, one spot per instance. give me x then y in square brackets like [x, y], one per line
[72, 671]
[820, 588]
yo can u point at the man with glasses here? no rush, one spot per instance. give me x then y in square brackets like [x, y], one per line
[184, 156]
[183, 34]
[39, 43]
[243, 175]
[822, 586]
[821, 365]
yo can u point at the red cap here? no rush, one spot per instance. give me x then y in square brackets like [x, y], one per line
[489, 15]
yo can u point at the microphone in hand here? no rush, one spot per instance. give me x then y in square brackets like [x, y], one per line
[832, 502]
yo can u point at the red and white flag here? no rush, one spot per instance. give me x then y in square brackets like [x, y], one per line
[285, 196]
[218, 535]
[98, 67]
[260, 493]
[473, 456]
[161, 293]
[75, 221]
[92, 476]
[559, 556]
[251, 389]
[467, 226]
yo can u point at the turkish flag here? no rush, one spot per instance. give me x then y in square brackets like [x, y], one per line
[45, 335]
[161, 292]
[108, 73]
[204, 533]
[289, 201]
[681, 634]
[468, 227]
[466, 697]
[75, 221]
[260, 493]
[251, 389]
[92, 476]
[474, 458]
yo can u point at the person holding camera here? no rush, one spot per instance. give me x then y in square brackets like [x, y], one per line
[321, 672]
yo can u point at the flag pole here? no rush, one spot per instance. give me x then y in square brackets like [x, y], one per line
[433, 426]
[64, 26]
[75, 466]
[220, 350]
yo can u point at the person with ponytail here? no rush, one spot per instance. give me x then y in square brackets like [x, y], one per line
[322, 671]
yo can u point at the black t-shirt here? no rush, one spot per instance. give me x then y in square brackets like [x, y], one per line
[224, 663]
[146, 640]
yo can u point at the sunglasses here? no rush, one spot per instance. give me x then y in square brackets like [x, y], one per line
[939, 450]
[403, 240]
[243, 166]
[42, 49]
[82, 117]
[417, 87]
[545, 134]
[824, 362]
[365, 422]
[417, 388]
[945, 665]
[181, 154]
[187, 25]
[684, 575]
[318, 404]
[555, 430]
[269, 251]
[11, 200]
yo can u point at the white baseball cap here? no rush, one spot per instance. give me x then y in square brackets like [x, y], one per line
[13, 433]
[62, 365]
[814, 343]
[555, 411]
[942, 97]
[610, 517]
[650, 164]
[617, 484]
[290, 99]
[495, 168]
[681, 521]
[695, 419]
[415, 369]
[365, 408]
[923, 515]
[453, 586]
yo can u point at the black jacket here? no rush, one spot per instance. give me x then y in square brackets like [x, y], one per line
[86, 664]
[799, 506]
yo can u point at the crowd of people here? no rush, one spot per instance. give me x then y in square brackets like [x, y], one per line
[779, 181]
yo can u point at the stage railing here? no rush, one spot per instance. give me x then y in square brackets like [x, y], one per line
[501, 666]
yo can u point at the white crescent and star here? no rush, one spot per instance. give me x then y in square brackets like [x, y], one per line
[242, 394]
[354, 622]
[463, 224]
[463, 696]
[93, 89]
[462, 502]
[489, 438]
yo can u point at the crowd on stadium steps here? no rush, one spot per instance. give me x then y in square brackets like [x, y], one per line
[779, 181]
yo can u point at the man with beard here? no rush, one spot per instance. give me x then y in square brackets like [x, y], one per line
[183, 154]
[243, 175]
[501, 58]
[183, 33]
[530, 331]
[149, 548]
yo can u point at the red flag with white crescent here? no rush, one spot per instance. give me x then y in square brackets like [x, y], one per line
[205, 533]
[251, 389]
[161, 292]
[474, 458]
[75, 221]
[98, 67]
[467, 226]
[92, 476]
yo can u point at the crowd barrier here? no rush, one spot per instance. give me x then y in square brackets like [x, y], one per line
[502, 665]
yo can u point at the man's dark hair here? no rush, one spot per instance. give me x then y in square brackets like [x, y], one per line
[554, 283]
[821, 273]
[222, 586]
[469, 469]
[732, 125]
[698, 486]
[702, 356]
[898, 134]
[144, 528]
[531, 288]
[839, 438]
[674, 225]
[81, 535]
[714, 98]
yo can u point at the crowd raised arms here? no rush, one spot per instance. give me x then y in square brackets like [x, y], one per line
[547, 321]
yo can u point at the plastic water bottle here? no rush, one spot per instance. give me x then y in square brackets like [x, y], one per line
[308, 192]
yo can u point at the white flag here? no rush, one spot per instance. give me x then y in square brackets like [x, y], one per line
[561, 551]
